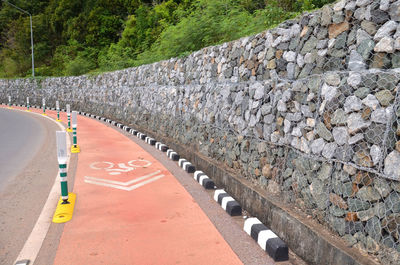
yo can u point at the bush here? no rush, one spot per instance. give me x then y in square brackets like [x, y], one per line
[79, 66]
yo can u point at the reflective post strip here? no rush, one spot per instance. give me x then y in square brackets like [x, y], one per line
[74, 136]
[69, 120]
[64, 182]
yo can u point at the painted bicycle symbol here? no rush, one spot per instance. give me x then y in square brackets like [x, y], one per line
[122, 167]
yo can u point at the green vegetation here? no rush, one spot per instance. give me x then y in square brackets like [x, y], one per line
[73, 37]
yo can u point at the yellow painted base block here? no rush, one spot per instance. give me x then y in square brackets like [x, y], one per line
[44, 114]
[75, 149]
[64, 212]
[69, 130]
[28, 110]
[9, 108]
[58, 120]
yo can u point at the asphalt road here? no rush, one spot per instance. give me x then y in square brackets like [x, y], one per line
[28, 167]
[21, 137]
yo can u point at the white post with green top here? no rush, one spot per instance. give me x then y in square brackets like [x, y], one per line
[58, 110]
[9, 102]
[44, 106]
[69, 129]
[75, 147]
[27, 103]
[62, 156]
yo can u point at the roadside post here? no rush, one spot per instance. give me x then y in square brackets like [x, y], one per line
[62, 156]
[9, 102]
[75, 147]
[69, 129]
[58, 110]
[44, 106]
[27, 104]
[65, 206]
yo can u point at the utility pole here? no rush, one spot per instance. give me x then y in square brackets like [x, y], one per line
[30, 20]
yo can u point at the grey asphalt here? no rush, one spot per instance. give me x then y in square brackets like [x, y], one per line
[28, 168]
[21, 136]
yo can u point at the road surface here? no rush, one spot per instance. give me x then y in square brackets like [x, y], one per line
[28, 166]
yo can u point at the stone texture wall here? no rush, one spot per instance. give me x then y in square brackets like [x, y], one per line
[309, 111]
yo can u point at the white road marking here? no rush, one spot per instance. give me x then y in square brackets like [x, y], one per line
[35, 240]
[122, 187]
[120, 182]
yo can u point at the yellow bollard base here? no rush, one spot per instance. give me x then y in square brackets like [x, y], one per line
[75, 149]
[44, 114]
[28, 110]
[64, 212]
[9, 108]
[69, 130]
[58, 120]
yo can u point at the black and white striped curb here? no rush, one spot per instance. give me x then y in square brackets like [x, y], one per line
[162, 147]
[266, 239]
[227, 203]
[204, 180]
[186, 165]
[150, 140]
[133, 132]
[173, 155]
[141, 135]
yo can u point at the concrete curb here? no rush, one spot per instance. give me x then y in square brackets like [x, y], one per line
[204, 180]
[173, 155]
[186, 165]
[162, 147]
[266, 239]
[227, 203]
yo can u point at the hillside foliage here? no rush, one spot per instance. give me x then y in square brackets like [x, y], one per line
[74, 37]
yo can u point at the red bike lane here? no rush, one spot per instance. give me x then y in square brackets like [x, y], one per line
[131, 210]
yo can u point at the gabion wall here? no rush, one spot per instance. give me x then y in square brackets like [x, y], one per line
[310, 111]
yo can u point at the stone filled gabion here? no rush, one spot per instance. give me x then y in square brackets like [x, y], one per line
[309, 110]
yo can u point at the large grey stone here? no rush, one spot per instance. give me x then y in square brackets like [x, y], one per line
[371, 101]
[386, 30]
[340, 135]
[329, 150]
[355, 123]
[386, 44]
[339, 117]
[354, 79]
[384, 97]
[365, 48]
[392, 202]
[317, 146]
[324, 132]
[369, 194]
[259, 90]
[352, 103]
[380, 115]
[356, 205]
[392, 165]
[376, 154]
[356, 61]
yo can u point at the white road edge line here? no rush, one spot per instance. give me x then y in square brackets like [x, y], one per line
[35, 240]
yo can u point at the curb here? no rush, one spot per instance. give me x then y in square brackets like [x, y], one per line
[227, 203]
[172, 155]
[204, 180]
[186, 165]
[266, 239]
